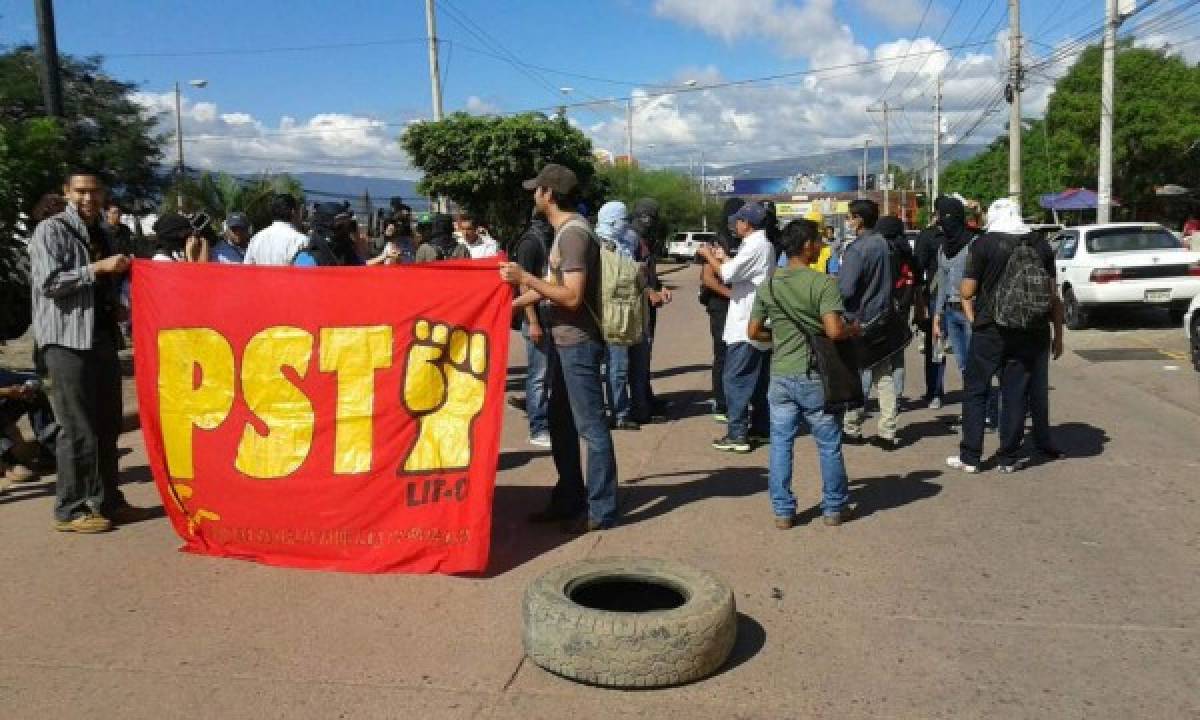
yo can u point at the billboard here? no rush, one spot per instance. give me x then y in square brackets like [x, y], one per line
[799, 183]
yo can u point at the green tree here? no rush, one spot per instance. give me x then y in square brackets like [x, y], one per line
[219, 194]
[479, 162]
[1156, 121]
[103, 128]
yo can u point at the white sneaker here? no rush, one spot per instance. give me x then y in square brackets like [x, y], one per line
[541, 440]
[958, 464]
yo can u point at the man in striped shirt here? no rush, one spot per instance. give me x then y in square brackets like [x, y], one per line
[75, 284]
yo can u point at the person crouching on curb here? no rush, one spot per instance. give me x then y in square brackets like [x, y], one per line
[793, 303]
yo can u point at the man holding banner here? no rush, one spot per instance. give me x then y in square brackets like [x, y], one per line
[572, 287]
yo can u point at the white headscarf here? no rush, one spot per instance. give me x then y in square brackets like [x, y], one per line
[1004, 216]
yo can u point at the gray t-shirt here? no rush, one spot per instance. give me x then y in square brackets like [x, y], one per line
[575, 249]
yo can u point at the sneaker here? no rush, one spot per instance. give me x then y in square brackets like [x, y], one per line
[582, 526]
[730, 444]
[20, 474]
[785, 522]
[517, 402]
[87, 524]
[957, 463]
[626, 425]
[759, 439]
[852, 438]
[935, 404]
[721, 418]
[541, 439]
[1015, 466]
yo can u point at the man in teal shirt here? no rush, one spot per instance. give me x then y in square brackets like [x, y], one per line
[796, 296]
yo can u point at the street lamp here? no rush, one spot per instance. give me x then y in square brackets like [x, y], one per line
[199, 85]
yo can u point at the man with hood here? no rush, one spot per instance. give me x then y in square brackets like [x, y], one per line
[714, 295]
[531, 254]
[614, 231]
[1012, 352]
[925, 253]
[950, 320]
[645, 407]
[441, 244]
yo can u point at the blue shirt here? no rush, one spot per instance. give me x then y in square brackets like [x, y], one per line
[865, 277]
[227, 252]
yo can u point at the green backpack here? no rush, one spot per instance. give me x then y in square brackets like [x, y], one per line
[622, 312]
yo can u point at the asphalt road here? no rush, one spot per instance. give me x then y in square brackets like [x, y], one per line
[1069, 590]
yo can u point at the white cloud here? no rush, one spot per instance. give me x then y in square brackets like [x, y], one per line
[900, 13]
[241, 143]
[478, 106]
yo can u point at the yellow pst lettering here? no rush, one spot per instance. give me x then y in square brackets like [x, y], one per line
[355, 353]
[283, 408]
[184, 405]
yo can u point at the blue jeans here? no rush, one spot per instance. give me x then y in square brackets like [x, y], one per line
[795, 400]
[958, 329]
[935, 372]
[617, 386]
[577, 411]
[746, 378]
[538, 358]
[41, 417]
[641, 398]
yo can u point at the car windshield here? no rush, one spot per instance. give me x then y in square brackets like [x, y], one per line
[704, 237]
[679, 237]
[1130, 239]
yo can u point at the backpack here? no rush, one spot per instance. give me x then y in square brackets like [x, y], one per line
[622, 312]
[904, 286]
[1023, 296]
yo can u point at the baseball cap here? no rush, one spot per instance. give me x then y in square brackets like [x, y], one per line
[237, 220]
[753, 213]
[815, 216]
[558, 178]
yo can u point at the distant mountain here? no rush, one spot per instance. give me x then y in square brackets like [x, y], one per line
[840, 162]
[328, 186]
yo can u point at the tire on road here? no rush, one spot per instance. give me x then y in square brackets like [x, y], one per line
[629, 622]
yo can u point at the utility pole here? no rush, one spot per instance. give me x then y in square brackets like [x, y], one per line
[1112, 19]
[886, 109]
[937, 141]
[435, 78]
[1014, 99]
[703, 192]
[862, 184]
[629, 131]
[179, 147]
[435, 73]
[48, 44]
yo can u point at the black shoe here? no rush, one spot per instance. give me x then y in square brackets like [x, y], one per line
[552, 515]
[731, 444]
[626, 425]
[856, 439]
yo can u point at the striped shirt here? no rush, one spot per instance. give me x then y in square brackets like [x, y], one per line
[64, 286]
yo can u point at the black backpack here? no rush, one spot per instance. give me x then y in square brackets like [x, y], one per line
[1023, 294]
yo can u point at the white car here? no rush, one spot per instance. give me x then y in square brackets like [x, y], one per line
[1191, 328]
[683, 245]
[1126, 264]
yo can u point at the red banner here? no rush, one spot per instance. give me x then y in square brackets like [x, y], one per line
[326, 418]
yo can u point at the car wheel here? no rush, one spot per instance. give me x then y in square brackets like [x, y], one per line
[1196, 341]
[638, 622]
[1076, 315]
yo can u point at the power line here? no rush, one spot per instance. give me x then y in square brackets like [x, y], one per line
[907, 50]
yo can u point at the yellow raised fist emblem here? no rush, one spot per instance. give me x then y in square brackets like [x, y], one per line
[445, 383]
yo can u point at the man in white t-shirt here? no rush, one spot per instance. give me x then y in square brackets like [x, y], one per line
[279, 243]
[747, 361]
[477, 244]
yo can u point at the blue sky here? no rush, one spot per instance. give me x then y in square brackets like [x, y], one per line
[340, 109]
